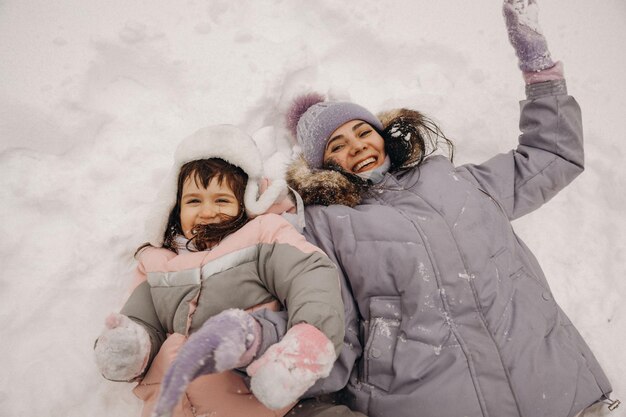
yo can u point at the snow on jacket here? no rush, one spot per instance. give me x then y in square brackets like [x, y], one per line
[265, 262]
[447, 311]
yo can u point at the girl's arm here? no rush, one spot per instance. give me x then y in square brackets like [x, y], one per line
[302, 278]
[275, 324]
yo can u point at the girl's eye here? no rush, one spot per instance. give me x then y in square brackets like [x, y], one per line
[336, 148]
[222, 201]
[364, 133]
[192, 201]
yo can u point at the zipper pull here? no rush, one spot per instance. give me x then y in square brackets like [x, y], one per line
[613, 404]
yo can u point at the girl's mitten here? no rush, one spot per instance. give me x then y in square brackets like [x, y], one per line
[123, 349]
[531, 48]
[226, 341]
[290, 367]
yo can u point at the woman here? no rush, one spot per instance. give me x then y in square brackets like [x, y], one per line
[451, 313]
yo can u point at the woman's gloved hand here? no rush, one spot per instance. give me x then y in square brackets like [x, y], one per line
[531, 48]
[226, 341]
[123, 349]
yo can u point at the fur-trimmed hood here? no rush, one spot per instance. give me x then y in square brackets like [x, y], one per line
[229, 143]
[406, 133]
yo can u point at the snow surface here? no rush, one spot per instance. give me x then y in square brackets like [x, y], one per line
[95, 95]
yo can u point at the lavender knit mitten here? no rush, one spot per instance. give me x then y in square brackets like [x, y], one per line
[531, 48]
[224, 342]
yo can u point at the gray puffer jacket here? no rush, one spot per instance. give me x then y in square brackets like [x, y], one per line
[448, 312]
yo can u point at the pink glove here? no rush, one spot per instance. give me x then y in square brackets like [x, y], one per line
[123, 349]
[291, 366]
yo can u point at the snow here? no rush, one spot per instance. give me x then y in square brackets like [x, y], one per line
[96, 95]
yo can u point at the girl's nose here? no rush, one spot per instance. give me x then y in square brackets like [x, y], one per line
[208, 211]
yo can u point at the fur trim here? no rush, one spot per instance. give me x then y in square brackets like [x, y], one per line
[299, 106]
[322, 186]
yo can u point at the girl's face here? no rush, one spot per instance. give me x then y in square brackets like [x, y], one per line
[199, 205]
[356, 147]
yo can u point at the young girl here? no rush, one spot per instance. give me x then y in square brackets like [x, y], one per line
[451, 314]
[211, 255]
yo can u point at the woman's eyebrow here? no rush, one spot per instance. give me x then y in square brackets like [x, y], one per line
[333, 139]
[358, 125]
[354, 128]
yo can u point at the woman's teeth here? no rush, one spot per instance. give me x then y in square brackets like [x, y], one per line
[363, 164]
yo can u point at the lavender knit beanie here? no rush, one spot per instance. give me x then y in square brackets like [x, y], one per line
[312, 120]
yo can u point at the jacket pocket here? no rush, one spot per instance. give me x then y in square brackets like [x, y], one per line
[536, 301]
[381, 340]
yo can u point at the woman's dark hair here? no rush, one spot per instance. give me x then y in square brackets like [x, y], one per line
[410, 137]
[202, 171]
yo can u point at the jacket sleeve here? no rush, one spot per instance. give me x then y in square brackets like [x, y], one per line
[549, 155]
[274, 324]
[303, 279]
[317, 231]
[140, 308]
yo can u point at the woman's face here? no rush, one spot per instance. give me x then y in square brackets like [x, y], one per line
[356, 147]
[199, 205]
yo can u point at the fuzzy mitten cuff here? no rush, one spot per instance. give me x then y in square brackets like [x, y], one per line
[549, 74]
[290, 367]
[123, 349]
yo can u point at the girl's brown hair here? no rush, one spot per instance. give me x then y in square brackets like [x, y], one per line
[202, 171]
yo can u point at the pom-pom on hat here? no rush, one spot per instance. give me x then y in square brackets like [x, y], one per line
[226, 142]
[312, 120]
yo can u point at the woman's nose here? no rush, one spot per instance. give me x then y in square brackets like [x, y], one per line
[356, 146]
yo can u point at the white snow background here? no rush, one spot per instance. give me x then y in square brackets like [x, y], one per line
[95, 95]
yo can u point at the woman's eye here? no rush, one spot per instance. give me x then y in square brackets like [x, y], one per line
[364, 133]
[336, 148]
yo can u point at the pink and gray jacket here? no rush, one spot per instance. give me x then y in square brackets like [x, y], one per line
[265, 263]
[447, 311]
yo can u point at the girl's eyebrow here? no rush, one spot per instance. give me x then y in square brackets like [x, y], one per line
[214, 194]
[224, 195]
